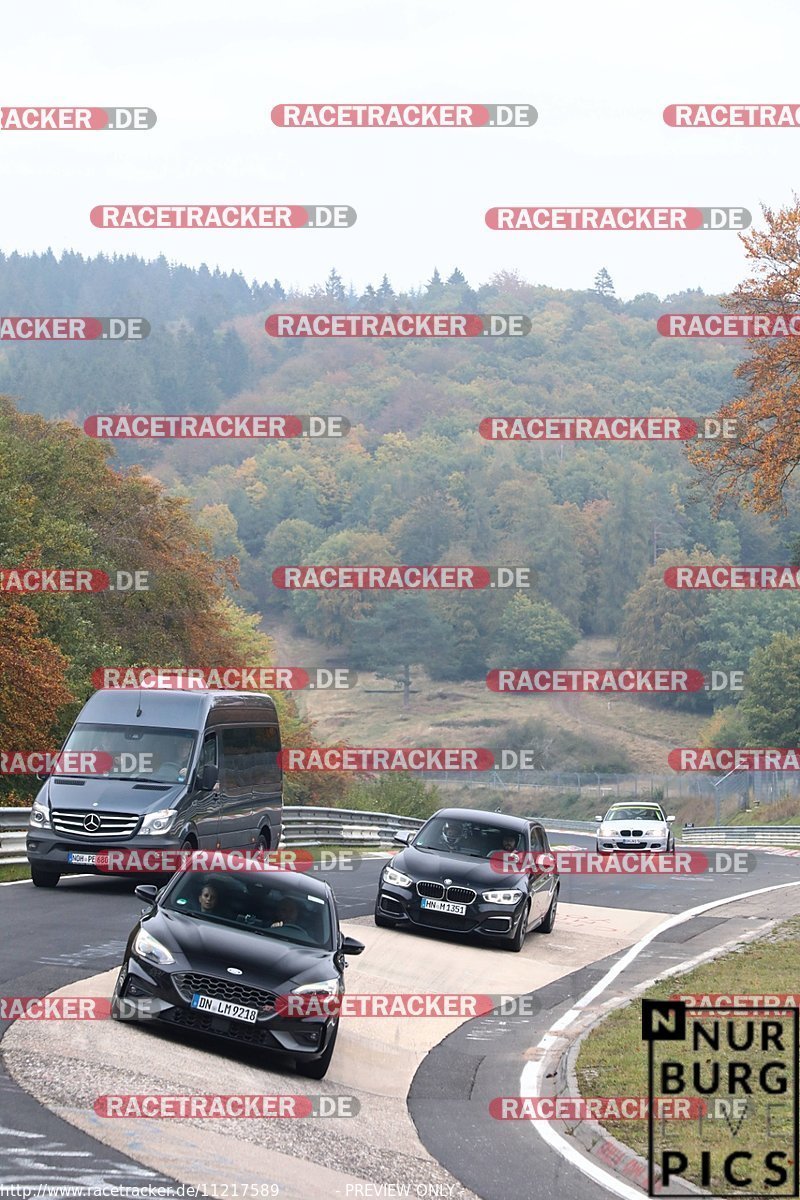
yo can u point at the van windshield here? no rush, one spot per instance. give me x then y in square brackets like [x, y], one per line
[148, 753]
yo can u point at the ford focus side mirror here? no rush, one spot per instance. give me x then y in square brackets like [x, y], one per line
[351, 945]
[403, 836]
[147, 892]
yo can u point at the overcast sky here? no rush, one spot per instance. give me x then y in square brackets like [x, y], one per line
[598, 74]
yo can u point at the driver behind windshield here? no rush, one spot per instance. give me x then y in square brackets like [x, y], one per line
[288, 914]
[452, 836]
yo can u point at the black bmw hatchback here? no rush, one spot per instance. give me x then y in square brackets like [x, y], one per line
[457, 874]
[239, 955]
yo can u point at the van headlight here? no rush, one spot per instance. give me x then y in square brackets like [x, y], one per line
[159, 822]
[40, 814]
[502, 897]
[150, 949]
[396, 878]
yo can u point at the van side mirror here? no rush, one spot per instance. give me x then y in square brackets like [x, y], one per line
[208, 777]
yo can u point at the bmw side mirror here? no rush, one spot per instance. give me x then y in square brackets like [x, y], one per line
[597, 817]
[351, 945]
[208, 777]
[672, 818]
[146, 891]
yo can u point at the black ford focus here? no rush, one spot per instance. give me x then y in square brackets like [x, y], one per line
[240, 955]
[458, 874]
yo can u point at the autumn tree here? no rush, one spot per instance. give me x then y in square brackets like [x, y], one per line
[758, 463]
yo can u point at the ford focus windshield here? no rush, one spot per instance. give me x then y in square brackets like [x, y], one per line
[255, 903]
[150, 753]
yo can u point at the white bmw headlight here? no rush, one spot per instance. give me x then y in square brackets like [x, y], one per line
[658, 832]
[147, 947]
[396, 878]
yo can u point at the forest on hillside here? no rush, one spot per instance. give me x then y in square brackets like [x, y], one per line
[414, 481]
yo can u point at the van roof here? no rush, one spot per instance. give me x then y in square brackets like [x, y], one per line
[174, 708]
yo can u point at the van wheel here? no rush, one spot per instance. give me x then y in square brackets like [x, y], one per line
[262, 845]
[42, 878]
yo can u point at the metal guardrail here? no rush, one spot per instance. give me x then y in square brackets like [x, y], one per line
[302, 826]
[742, 835]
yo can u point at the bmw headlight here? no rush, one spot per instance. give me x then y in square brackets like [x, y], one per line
[40, 814]
[159, 822]
[655, 833]
[509, 896]
[606, 831]
[396, 878]
[150, 949]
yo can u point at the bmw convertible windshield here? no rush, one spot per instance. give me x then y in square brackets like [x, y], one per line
[256, 903]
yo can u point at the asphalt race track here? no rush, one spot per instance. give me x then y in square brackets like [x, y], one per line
[423, 1085]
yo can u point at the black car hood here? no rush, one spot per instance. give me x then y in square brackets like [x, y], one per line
[209, 948]
[110, 795]
[470, 872]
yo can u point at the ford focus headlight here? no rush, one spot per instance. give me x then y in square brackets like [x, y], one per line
[396, 878]
[150, 949]
[502, 897]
